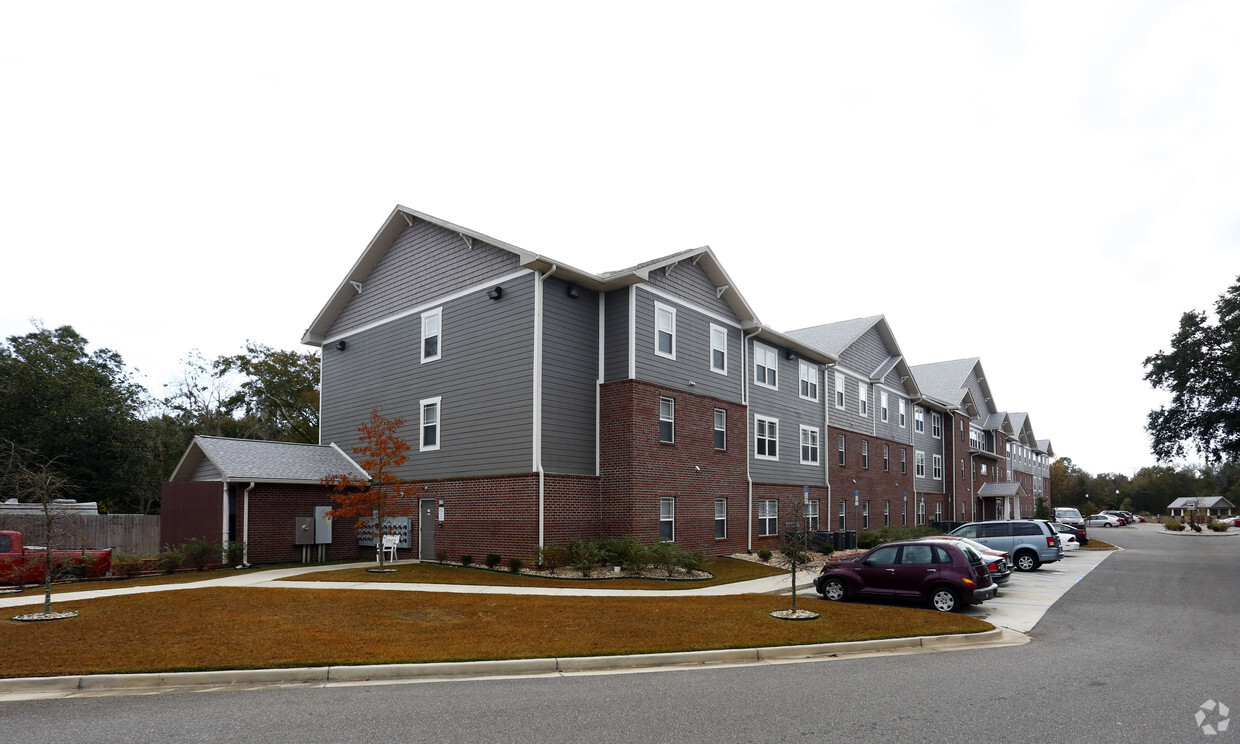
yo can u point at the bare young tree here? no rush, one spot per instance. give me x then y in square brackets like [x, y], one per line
[794, 549]
[29, 478]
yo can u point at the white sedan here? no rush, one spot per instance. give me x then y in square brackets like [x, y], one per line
[1103, 520]
[1068, 542]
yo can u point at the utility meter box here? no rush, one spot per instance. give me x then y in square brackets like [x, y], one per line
[303, 530]
[322, 525]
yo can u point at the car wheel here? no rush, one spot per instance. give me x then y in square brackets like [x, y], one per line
[834, 590]
[1026, 561]
[1107, 524]
[944, 599]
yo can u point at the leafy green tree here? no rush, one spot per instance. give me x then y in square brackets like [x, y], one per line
[1202, 373]
[280, 392]
[80, 409]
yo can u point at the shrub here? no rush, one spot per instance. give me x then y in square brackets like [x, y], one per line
[584, 555]
[169, 559]
[441, 556]
[1219, 526]
[692, 560]
[492, 560]
[1173, 525]
[1196, 527]
[871, 538]
[515, 564]
[551, 557]
[236, 552]
[126, 565]
[467, 560]
[197, 553]
[764, 555]
[625, 552]
[665, 555]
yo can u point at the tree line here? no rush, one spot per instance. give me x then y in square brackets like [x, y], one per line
[84, 413]
[1148, 491]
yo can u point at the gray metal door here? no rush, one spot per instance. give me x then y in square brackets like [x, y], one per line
[426, 529]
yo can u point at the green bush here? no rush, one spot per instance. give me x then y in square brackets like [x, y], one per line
[467, 560]
[1219, 526]
[441, 556]
[1173, 525]
[515, 564]
[625, 552]
[871, 538]
[169, 559]
[492, 560]
[236, 552]
[551, 557]
[584, 555]
[126, 565]
[692, 560]
[764, 555]
[1196, 527]
[198, 553]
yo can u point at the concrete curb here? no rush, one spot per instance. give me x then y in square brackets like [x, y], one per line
[47, 687]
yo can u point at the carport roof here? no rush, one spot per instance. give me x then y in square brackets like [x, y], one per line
[1001, 489]
[260, 461]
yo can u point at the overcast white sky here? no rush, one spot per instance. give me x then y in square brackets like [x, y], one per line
[1044, 185]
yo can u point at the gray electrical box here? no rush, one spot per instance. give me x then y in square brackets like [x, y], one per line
[322, 525]
[303, 530]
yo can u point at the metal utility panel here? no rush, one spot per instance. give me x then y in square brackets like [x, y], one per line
[303, 530]
[322, 525]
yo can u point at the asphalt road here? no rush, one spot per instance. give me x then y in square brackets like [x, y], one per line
[1129, 654]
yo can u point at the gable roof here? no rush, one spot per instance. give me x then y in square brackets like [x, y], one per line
[1044, 446]
[259, 461]
[835, 338]
[1202, 502]
[403, 217]
[948, 381]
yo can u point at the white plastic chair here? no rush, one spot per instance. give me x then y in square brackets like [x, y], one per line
[388, 546]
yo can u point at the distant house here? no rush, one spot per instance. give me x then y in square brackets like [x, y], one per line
[1201, 507]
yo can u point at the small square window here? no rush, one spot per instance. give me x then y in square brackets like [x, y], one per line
[768, 517]
[809, 445]
[766, 438]
[809, 381]
[765, 366]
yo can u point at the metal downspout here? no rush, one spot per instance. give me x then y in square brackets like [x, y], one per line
[224, 527]
[245, 526]
[538, 392]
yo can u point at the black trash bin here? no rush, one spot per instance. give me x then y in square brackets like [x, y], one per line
[850, 537]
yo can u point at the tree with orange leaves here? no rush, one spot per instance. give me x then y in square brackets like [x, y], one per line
[385, 494]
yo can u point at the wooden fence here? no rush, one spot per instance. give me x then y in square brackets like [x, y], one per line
[137, 534]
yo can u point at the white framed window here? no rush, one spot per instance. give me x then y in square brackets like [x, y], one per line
[921, 512]
[919, 420]
[809, 380]
[811, 515]
[840, 447]
[721, 518]
[667, 420]
[886, 457]
[667, 519]
[721, 429]
[765, 365]
[841, 519]
[936, 425]
[863, 404]
[839, 389]
[936, 467]
[865, 454]
[432, 334]
[975, 438]
[718, 349]
[903, 413]
[882, 406]
[865, 515]
[938, 511]
[765, 438]
[962, 467]
[886, 513]
[809, 445]
[768, 517]
[429, 424]
[664, 330]
[903, 461]
[919, 464]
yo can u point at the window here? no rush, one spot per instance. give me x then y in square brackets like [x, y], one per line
[919, 420]
[863, 405]
[962, 467]
[721, 518]
[938, 511]
[667, 519]
[664, 331]
[882, 406]
[985, 469]
[903, 413]
[811, 515]
[768, 517]
[809, 381]
[921, 511]
[842, 521]
[432, 330]
[718, 349]
[919, 464]
[936, 425]
[936, 465]
[721, 429]
[962, 431]
[886, 458]
[865, 515]
[841, 448]
[667, 420]
[903, 461]
[765, 362]
[886, 513]
[765, 438]
[429, 424]
[809, 445]
[975, 438]
[839, 389]
[865, 454]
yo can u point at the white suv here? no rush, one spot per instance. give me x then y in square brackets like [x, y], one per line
[1068, 515]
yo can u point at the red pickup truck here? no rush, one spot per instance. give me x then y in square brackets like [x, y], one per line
[23, 564]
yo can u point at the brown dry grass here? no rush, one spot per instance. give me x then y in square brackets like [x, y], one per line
[246, 628]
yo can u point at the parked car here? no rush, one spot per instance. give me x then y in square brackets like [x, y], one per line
[1068, 542]
[1031, 542]
[1126, 517]
[945, 575]
[1103, 520]
[1068, 515]
[998, 563]
[1230, 520]
[1079, 533]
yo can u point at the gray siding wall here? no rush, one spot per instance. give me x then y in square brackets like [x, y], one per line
[616, 335]
[891, 429]
[984, 407]
[793, 412]
[570, 375]
[692, 362]
[688, 280]
[485, 379]
[866, 354]
[847, 417]
[425, 261]
[206, 472]
[926, 442]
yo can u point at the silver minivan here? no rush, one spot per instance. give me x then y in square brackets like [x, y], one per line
[1031, 542]
[1068, 515]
